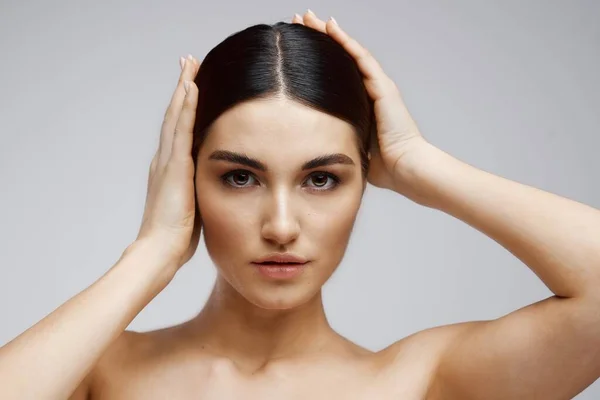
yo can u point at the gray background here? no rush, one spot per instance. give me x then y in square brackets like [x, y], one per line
[511, 87]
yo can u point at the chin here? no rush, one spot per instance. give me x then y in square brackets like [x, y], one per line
[280, 297]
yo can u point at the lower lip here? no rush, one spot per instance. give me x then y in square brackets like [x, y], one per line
[281, 271]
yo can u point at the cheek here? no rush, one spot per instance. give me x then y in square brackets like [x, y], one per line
[330, 227]
[225, 227]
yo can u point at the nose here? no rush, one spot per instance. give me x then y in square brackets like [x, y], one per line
[280, 224]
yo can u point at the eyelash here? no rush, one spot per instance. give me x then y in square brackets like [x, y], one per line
[336, 180]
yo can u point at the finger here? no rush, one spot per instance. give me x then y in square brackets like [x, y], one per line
[183, 132]
[179, 93]
[189, 72]
[368, 65]
[297, 19]
[311, 20]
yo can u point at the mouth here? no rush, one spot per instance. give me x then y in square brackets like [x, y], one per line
[280, 270]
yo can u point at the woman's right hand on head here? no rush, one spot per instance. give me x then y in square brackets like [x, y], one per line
[55, 355]
[170, 219]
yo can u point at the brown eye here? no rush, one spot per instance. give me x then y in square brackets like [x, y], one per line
[240, 178]
[237, 179]
[320, 181]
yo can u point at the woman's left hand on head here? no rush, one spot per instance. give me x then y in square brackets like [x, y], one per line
[398, 137]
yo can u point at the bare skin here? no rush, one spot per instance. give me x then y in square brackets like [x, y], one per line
[257, 338]
[174, 363]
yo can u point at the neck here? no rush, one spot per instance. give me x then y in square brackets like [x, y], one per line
[233, 327]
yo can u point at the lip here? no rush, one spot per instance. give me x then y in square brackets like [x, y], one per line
[284, 258]
[281, 265]
[281, 271]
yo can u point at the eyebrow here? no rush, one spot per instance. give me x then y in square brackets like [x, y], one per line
[242, 159]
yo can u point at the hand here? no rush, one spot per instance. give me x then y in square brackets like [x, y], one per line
[171, 218]
[398, 138]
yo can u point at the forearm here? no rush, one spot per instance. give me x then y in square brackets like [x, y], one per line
[559, 239]
[50, 359]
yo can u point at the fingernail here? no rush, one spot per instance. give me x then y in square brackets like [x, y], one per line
[182, 62]
[190, 57]
[310, 12]
[186, 85]
[298, 16]
[334, 21]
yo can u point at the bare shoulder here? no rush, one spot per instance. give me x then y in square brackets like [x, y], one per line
[130, 351]
[129, 345]
[116, 351]
[427, 344]
[414, 360]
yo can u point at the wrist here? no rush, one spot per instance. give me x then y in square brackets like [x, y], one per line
[415, 173]
[150, 258]
[133, 281]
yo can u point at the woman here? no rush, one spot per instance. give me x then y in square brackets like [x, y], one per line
[273, 167]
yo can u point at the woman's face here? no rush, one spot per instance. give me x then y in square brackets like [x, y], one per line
[257, 195]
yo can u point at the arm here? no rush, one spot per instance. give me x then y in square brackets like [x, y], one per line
[52, 359]
[550, 349]
[60, 350]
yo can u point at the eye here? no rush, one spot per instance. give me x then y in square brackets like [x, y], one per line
[238, 178]
[320, 180]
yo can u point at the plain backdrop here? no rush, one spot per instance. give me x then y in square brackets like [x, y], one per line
[510, 87]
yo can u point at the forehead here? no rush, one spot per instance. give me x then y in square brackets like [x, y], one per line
[271, 128]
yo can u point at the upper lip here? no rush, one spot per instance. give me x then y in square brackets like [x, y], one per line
[282, 258]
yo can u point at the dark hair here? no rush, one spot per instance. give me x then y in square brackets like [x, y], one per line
[290, 60]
